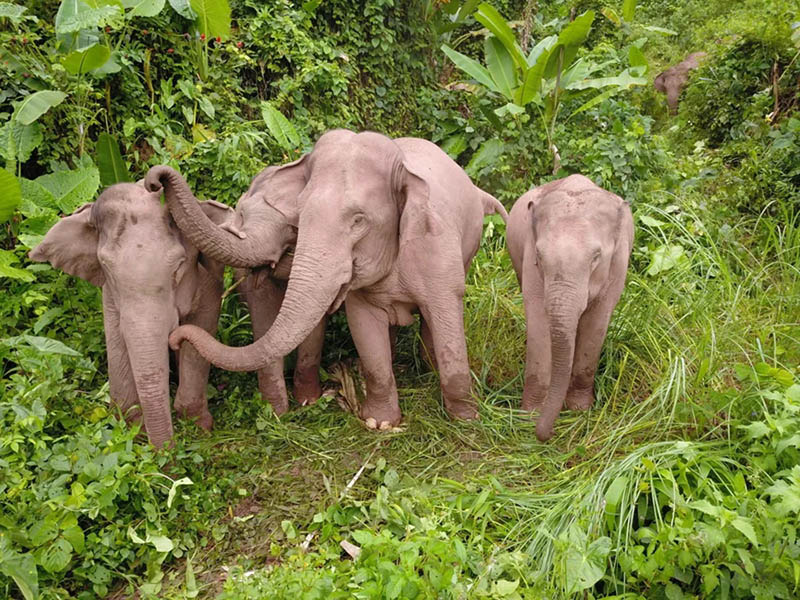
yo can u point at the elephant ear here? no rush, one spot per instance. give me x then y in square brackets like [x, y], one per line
[282, 186]
[412, 192]
[188, 276]
[71, 246]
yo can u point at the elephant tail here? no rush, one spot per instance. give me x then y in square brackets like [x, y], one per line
[492, 205]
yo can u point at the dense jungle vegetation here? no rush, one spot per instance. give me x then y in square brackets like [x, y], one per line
[682, 482]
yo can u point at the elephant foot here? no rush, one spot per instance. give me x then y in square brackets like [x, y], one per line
[380, 417]
[580, 399]
[199, 414]
[280, 406]
[462, 410]
[273, 390]
[307, 390]
[533, 395]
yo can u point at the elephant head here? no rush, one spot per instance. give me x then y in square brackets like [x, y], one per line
[351, 191]
[672, 81]
[260, 233]
[577, 228]
[127, 243]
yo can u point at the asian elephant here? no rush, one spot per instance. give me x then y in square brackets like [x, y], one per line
[569, 242]
[152, 279]
[262, 237]
[388, 227]
[672, 81]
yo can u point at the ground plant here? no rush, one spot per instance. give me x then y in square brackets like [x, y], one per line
[683, 481]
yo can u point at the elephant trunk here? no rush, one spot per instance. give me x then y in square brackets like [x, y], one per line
[316, 280]
[564, 305]
[202, 232]
[148, 353]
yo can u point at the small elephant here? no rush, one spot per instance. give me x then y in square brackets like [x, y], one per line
[387, 227]
[672, 81]
[261, 237]
[569, 242]
[153, 279]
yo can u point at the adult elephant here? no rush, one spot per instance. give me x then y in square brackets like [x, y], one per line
[390, 226]
[256, 235]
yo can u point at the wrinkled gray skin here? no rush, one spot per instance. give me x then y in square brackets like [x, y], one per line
[152, 280]
[672, 81]
[258, 236]
[389, 227]
[569, 242]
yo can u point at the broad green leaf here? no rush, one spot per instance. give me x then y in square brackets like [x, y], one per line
[472, 68]
[34, 106]
[74, 535]
[143, 8]
[636, 57]
[10, 195]
[85, 17]
[570, 39]
[488, 16]
[311, 5]
[11, 11]
[613, 497]
[8, 258]
[161, 543]
[504, 587]
[206, 106]
[46, 345]
[280, 127]
[18, 141]
[71, 189]
[134, 536]
[487, 154]
[610, 14]
[454, 145]
[665, 258]
[89, 59]
[598, 99]
[583, 565]
[622, 81]
[509, 109]
[500, 66]
[663, 30]
[174, 489]
[56, 556]
[628, 9]
[785, 497]
[650, 221]
[36, 199]
[756, 429]
[22, 569]
[183, 8]
[744, 525]
[213, 17]
[542, 46]
[110, 164]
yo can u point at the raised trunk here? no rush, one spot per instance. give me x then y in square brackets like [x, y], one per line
[563, 310]
[314, 283]
[148, 353]
[195, 225]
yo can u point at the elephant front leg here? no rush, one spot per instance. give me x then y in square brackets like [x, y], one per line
[369, 327]
[537, 345]
[446, 322]
[191, 401]
[307, 388]
[264, 297]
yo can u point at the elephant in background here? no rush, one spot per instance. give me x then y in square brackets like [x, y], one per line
[153, 279]
[569, 242]
[387, 227]
[672, 81]
[261, 237]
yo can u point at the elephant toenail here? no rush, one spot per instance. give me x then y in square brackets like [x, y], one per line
[385, 425]
[371, 423]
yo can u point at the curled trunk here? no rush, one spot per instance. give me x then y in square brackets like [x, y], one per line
[312, 289]
[195, 225]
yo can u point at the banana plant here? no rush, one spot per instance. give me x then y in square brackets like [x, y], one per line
[547, 76]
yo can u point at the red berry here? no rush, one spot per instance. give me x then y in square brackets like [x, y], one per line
[26, 75]
[239, 44]
[108, 29]
[219, 39]
[24, 40]
[202, 37]
[171, 50]
[145, 32]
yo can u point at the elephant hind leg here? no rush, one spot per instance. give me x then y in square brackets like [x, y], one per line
[307, 387]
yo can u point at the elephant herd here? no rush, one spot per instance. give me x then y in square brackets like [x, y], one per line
[385, 227]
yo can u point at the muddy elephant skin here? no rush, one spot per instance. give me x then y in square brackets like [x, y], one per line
[672, 81]
[153, 279]
[388, 227]
[258, 240]
[569, 242]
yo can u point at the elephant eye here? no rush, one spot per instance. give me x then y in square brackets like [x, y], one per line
[358, 220]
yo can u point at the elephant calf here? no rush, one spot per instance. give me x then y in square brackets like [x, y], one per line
[672, 81]
[569, 242]
[153, 279]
